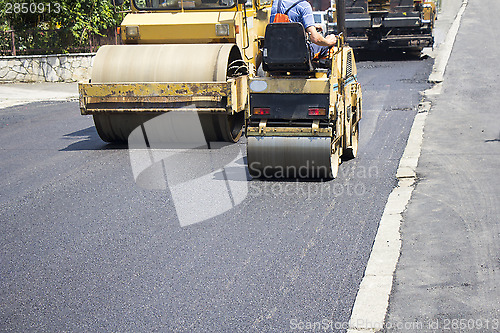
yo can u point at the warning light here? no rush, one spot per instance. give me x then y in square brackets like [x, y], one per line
[261, 111]
[317, 112]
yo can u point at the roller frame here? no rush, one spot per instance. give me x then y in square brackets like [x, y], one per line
[100, 97]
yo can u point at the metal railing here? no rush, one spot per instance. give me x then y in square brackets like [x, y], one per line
[55, 41]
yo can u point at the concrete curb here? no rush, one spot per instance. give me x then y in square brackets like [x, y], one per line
[446, 48]
[408, 163]
[372, 301]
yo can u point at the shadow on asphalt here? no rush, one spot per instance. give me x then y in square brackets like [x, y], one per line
[388, 55]
[90, 141]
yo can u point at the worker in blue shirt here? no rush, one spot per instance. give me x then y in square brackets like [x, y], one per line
[301, 11]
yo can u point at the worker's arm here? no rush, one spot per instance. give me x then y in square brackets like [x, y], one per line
[318, 39]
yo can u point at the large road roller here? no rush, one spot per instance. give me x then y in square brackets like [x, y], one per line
[384, 24]
[303, 116]
[189, 55]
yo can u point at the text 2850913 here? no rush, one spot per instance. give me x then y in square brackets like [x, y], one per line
[32, 7]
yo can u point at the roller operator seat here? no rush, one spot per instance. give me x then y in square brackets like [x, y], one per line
[286, 49]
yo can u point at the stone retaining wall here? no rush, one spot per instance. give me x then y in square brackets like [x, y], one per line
[46, 68]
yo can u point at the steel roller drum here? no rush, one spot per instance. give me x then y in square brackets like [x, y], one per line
[161, 63]
[164, 63]
[291, 157]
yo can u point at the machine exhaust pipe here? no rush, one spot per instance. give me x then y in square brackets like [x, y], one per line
[340, 9]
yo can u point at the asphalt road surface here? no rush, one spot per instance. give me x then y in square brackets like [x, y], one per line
[99, 238]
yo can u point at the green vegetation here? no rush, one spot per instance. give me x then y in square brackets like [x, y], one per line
[58, 25]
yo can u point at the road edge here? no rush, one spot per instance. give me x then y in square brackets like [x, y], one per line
[446, 48]
[372, 300]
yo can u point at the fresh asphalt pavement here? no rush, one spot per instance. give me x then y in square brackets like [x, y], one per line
[86, 248]
[448, 275]
[90, 244]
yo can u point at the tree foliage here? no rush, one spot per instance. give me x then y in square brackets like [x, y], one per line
[81, 18]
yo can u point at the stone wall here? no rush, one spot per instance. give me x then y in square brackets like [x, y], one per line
[46, 68]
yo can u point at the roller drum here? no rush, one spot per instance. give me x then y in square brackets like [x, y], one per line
[166, 63]
[291, 157]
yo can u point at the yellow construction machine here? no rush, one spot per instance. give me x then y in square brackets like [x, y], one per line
[403, 24]
[303, 116]
[201, 56]
[178, 55]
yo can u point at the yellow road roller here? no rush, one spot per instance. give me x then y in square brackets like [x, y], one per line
[189, 55]
[303, 116]
[390, 24]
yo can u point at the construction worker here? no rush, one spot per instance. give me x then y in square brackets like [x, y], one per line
[301, 11]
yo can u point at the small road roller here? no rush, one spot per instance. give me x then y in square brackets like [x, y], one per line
[303, 116]
[189, 55]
